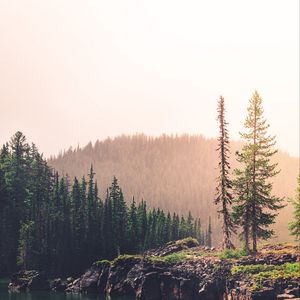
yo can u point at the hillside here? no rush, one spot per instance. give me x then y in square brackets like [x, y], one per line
[176, 173]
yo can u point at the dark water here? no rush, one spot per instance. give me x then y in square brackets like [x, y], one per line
[4, 295]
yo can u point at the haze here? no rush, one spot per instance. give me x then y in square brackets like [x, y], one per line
[75, 71]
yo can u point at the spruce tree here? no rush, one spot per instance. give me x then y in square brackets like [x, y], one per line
[16, 178]
[108, 232]
[294, 225]
[26, 244]
[223, 197]
[189, 225]
[132, 233]
[209, 233]
[77, 221]
[142, 224]
[175, 227]
[255, 201]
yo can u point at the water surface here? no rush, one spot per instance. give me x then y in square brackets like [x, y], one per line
[5, 295]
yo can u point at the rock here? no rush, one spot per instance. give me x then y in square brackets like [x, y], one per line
[265, 294]
[74, 287]
[151, 287]
[93, 281]
[89, 280]
[29, 281]
[294, 291]
[285, 296]
[70, 280]
[173, 247]
[169, 286]
[189, 289]
[103, 276]
[57, 285]
[117, 281]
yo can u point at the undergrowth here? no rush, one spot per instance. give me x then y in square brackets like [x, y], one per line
[261, 273]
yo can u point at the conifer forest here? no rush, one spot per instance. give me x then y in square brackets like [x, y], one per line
[60, 224]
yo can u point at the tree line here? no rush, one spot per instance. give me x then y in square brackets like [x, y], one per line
[245, 198]
[61, 225]
[175, 173]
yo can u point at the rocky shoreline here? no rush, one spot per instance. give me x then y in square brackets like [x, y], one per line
[183, 270]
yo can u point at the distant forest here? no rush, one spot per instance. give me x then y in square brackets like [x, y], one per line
[176, 173]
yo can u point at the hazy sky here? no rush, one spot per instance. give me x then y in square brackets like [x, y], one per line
[74, 71]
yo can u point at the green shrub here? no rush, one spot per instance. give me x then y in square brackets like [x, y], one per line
[169, 259]
[260, 273]
[251, 269]
[286, 271]
[288, 268]
[232, 253]
[174, 258]
[127, 258]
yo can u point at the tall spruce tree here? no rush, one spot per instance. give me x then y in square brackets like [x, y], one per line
[255, 202]
[108, 230]
[223, 197]
[16, 178]
[294, 225]
[209, 233]
[132, 232]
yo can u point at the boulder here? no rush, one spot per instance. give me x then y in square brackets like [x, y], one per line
[29, 281]
[57, 285]
[117, 281]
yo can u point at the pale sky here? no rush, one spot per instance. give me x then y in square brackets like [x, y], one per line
[74, 71]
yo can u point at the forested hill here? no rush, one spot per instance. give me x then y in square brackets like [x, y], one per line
[176, 173]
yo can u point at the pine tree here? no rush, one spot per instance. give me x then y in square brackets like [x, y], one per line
[98, 251]
[91, 225]
[209, 233]
[224, 185]
[294, 226]
[108, 232]
[5, 208]
[77, 222]
[26, 244]
[119, 215]
[189, 224]
[167, 228]
[132, 234]
[142, 224]
[175, 227]
[242, 208]
[255, 201]
[16, 178]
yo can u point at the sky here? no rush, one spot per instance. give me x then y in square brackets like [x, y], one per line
[74, 71]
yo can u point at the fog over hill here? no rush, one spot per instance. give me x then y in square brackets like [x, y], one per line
[176, 173]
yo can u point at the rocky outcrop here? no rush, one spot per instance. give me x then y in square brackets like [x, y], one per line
[183, 271]
[151, 277]
[173, 247]
[29, 281]
[145, 279]
[93, 281]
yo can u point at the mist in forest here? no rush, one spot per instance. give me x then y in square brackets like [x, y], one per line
[174, 172]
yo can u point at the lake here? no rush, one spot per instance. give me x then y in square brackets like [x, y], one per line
[5, 295]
